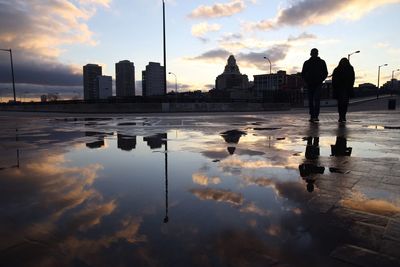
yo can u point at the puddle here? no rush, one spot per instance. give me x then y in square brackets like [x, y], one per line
[175, 197]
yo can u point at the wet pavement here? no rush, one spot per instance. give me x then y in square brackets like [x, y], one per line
[267, 189]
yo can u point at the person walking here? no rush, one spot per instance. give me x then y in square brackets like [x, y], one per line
[314, 72]
[342, 82]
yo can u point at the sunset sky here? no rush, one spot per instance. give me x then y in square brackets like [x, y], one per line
[53, 39]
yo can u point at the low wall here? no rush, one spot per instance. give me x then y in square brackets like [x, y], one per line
[143, 107]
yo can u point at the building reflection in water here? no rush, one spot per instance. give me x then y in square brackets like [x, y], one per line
[232, 137]
[154, 142]
[96, 144]
[126, 142]
[310, 168]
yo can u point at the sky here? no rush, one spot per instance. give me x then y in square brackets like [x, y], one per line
[52, 39]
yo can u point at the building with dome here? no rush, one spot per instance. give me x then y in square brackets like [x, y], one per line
[231, 78]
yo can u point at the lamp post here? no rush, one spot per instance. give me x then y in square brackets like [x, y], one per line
[393, 71]
[12, 71]
[349, 55]
[270, 70]
[165, 50]
[176, 82]
[379, 74]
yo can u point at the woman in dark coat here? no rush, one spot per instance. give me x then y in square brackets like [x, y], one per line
[342, 83]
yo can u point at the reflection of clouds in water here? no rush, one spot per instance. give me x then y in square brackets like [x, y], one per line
[202, 179]
[359, 201]
[65, 202]
[287, 189]
[274, 162]
[252, 208]
[218, 195]
[274, 230]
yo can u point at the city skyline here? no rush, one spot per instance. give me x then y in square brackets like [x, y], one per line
[200, 37]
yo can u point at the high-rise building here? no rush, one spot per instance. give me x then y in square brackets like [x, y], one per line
[104, 86]
[90, 73]
[153, 83]
[125, 78]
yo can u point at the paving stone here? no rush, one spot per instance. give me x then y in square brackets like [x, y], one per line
[392, 230]
[391, 248]
[361, 217]
[367, 235]
[363, 257]
[394, 180]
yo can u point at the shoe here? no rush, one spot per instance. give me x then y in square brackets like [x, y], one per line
[316, 119]
[311, 120]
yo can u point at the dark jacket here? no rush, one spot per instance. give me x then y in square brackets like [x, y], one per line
[314, 71]
[343, 81]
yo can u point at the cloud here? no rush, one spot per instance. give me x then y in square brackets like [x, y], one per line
[218, 10]
[310, 12]
[213, 55]
[256, 59]
[201, 29]
[302, 36]
[275, 53]
[36, 31]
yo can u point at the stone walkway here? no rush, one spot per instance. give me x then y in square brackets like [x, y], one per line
[360, 194]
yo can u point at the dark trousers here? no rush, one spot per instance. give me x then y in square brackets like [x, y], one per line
[314, 98]
[343, 103]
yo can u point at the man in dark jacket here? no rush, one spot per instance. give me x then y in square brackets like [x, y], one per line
[314, 73]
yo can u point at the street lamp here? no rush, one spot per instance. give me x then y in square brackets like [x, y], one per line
[270, 71]
[176, 82]
[270, 65]
[12, 71]
[393, 71]
[379, 74]
[165, 50]
[349, 55]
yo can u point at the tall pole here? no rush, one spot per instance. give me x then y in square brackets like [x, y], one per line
[165, 52]
[379, 74]
[12, 71]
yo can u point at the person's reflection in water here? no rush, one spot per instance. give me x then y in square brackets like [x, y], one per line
[310, 168]
[340, 148]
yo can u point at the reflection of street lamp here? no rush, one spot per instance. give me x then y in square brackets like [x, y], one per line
[393, 71]
[379, 74]
[176, 82]
[165, 51]
[12, 71]
[356, 52]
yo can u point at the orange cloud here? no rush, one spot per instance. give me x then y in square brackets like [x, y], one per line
[311, 12]
[219, 10]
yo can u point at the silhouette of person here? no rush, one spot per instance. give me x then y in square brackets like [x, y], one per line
[314, 72]
[342, 83]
